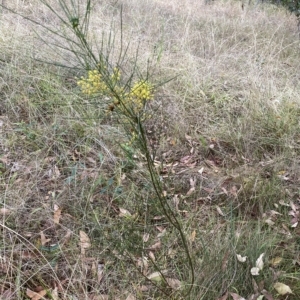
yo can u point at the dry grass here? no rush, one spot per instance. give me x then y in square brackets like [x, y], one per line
[230, 125]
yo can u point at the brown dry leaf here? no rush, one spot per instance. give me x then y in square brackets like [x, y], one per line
[188, 137]
[267, 295]
[224, 191]
[269, 222]
[143, 264]
[256, 296]
[255, 286]
[26, 254]
[286, 230]
[143, 288]
[57, 213]
[44, 241]
[172, 253]
[4, 211]
[261, 285]
[91, 160]
[219, 210]
[35, 296]
[233, 191]
[193, 186]
[186, 159]
[56, 172]
[190, 191]
[124, 213]
[274, 213]
[160, 228]
[156, 276]
[176, 201]
[281, 202]
[295, 214]
[293, 206]
[155, 246]
[146, 237]
[151, 255]
[175, 284]
[67, 237]
[61, 285]
[53, 173]
[236, 296]
[192, 236]
[172, 142]
[84, 241]
[162, 233]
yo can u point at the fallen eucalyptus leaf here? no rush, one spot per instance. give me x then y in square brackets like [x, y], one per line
[236, 296]
[174, 283]
[259, 262]
[57, 213]
[282, 289]
[241, 258]
[84, 241]
[254, 271]
[156, 276]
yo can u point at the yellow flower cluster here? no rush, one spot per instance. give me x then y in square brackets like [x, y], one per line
[139, 94]
[126, 102]
[136, 98]
[142, 90]
[93, 84]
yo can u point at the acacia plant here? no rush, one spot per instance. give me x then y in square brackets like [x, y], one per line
[109, 77]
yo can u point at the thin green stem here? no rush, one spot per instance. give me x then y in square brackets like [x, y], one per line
[168, 211]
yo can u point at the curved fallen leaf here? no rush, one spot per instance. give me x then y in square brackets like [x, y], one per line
[44, 240]
[254, 271]
[241, 258]
[84, 241]
[156, 276]
[155, 246]
[57, 213]
[259, 261]
[236, 296]
[124, 213]
[35, 296]
[174, 283]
